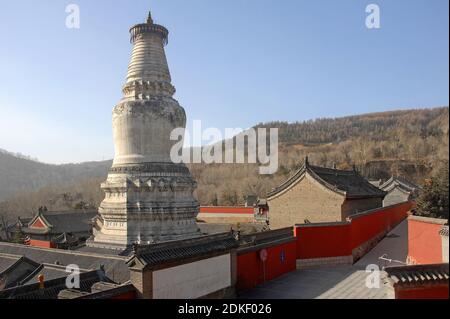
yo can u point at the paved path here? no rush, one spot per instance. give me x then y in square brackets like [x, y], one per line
[339, 282]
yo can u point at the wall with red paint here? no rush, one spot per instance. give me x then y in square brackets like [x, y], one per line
[370, 224]
[431, 292]
[330, 240]
[252, 271]
[340, 239]
[424, 241]
[41, 243]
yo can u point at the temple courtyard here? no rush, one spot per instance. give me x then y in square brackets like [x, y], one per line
[343, 281]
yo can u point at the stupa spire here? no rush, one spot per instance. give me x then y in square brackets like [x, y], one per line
[149, 18]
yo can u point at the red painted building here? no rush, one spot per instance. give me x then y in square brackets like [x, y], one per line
[56, 229]
[420, 281]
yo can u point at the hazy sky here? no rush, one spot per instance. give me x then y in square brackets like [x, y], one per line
[234, 63]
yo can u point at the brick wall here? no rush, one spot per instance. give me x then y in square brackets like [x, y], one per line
[306, 200]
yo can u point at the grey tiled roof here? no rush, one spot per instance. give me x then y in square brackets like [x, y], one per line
[400, 181]
[49, 272]
[418, 274]
[65, 238]
[115, 266]
[266, 238]
[444, 231]
[184, 249]
[52, 287]
[18, 271]
[7, 261]
[67, 222]
[124, 252]
[346, 183]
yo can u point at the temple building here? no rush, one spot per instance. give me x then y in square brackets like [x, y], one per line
[62, 230]
[399, 190]
[148, 198]
[318, 194]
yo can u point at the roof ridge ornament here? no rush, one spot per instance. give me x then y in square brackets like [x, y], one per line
[306, 161]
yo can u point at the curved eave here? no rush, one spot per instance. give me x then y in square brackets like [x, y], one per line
[285, 185]
[387, 183]
[401, 189]
[36, 231]
[393, 182]
[306, 169]
[326, 184]
[297, 176]
[404, 188]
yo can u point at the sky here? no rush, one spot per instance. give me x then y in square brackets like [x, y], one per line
[235, 63]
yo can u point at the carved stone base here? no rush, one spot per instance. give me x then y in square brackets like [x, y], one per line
[147, 203]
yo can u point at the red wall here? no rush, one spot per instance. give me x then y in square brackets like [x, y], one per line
[323, 241]
[370, 225]
[424, 242]
[251, 269]
[337, 239]
[432, 292]
[41, 243]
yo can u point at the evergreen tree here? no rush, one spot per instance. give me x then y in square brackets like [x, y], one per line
[443, 189]
[434, 199]
[18, 238]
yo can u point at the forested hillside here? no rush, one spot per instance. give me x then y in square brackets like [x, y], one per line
[409, 143]
[19, 173]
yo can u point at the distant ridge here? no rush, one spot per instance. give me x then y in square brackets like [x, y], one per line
[20, 173]
[408, 143]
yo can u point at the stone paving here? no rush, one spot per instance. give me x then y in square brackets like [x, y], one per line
[339, 282]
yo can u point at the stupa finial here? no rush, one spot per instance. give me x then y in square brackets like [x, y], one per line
[149, 18]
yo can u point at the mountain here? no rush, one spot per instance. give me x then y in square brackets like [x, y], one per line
[22, 174]
[408, 143]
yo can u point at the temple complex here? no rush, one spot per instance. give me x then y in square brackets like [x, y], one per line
[148, 198]
[319, 194]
